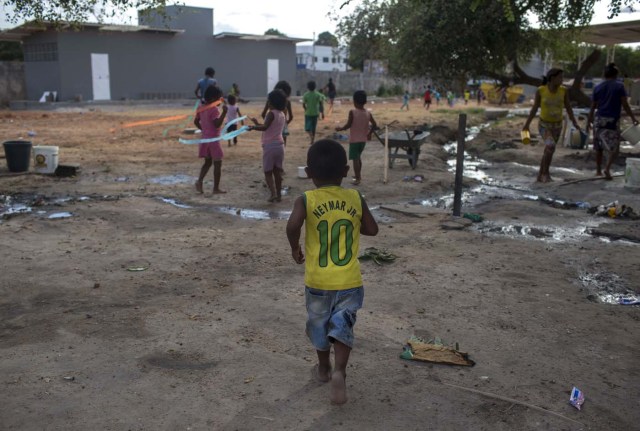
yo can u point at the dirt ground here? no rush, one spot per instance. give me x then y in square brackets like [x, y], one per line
[154, 308]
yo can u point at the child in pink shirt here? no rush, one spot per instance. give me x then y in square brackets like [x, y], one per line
[210, 120]
[359, 132]
[273, 142]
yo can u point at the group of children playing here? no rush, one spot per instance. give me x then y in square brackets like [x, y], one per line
[334, 217]
[276, 115]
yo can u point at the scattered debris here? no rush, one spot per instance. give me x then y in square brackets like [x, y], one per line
[476, 218]
[68, 170]
[455, 223]
[416, 178]
[339, 137]
[138, 266]
[577, 398]
[378, 256]
[435, 351]
[629, 301]
[615, 210]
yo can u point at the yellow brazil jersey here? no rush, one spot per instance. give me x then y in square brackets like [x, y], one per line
[551, 104]
[332, 238]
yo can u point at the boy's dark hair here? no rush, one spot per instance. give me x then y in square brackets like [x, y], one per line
[277, 99]
[360, 97]
[311, 85]
[326, 160]
[209, 71]
[212, 93]
[231, 99]
[611, 70]
[284, 86]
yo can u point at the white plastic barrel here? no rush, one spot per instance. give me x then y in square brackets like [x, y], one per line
[45, 158]
[632, 173]
[632, 134]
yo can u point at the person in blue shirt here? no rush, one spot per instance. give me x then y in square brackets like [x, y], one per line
[608, 98]
[205, 82]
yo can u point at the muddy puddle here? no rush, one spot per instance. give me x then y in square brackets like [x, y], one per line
[607, 287]
[170, 180]
[513, 181]
[35, 205]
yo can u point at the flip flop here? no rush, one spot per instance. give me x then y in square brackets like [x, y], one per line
[355, 182]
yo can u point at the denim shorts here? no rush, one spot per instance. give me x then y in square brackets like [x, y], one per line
[332, 315]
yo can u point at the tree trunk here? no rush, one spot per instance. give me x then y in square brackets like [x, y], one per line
[575, 91]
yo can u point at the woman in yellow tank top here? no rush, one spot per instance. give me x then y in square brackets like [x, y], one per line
[551, 97]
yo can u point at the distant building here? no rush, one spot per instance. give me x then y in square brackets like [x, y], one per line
[321, 58]
[156, 59]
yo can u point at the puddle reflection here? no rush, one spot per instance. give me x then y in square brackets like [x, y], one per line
[168, 180]
[251, 214]
[608, 288]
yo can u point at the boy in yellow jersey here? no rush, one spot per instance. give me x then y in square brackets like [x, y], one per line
[334, 218]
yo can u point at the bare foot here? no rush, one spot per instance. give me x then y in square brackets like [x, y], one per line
[272, 199]
[199, 186]
[598, 174]
[355, 182]
[218, 191]
[322, 376]
[278, 198]
[338, 392]
[607, 175]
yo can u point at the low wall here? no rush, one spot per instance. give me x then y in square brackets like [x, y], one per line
[12, 85]
[348, 82]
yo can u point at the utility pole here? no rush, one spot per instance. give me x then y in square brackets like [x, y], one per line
[313, 52]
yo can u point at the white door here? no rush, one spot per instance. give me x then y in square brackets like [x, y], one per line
[273, 74]
[100, 76]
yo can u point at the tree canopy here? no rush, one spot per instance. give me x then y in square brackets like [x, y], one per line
[74, 11]
[274, 32]
[327, 39]
[459, 39]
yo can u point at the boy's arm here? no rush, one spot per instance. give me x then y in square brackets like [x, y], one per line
[197, 91]
[592, 111]
[290, 111]
[265, 110]
[534, 110]
[196, 121]
[348, 125]
[218, 121]
[294, 226]
[240, 115]
[368, 225]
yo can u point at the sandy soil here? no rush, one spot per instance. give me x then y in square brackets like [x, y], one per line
[210, 335]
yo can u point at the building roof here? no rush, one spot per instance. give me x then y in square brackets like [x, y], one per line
[612, 33]
[28, 28]
[260, 38]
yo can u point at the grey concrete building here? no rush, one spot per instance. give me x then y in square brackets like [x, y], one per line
[161, 58]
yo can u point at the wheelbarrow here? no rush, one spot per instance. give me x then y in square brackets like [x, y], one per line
[408, 140]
